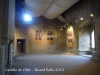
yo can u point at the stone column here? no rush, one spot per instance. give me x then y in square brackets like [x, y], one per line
[2, 62]
[10, 53]
[1, 53]
[7, 20]
[2, 59]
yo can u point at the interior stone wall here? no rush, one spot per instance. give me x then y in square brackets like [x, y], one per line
[84, 9]
[1, 67]
[27, 32]
[96, 53]
[11, 19]
[8, 20]
[7, 8]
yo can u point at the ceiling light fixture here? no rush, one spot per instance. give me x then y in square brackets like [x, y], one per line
[91, 15]
[76, 21]
[27, 17]
[81, 18]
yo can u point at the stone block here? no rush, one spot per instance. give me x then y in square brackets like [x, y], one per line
[96, 55]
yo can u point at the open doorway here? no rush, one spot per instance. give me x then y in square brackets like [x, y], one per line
[21, 48]
[86, 38]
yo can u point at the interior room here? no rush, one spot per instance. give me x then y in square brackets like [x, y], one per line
[49, 37]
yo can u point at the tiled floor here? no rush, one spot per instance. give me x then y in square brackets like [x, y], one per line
[54, 64]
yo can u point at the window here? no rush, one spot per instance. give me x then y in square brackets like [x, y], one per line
[92, 40]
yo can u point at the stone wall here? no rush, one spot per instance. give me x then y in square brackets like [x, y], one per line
[84, 9]
[96, 54]
[7, 10]
[1, 67]
[11, 19]
[28, 32]
[8, 21]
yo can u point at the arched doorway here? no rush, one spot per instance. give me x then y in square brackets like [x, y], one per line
[86, 38]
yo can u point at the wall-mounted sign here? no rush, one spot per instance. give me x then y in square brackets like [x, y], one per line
[38, 37]
[70, 36]
[49, 37]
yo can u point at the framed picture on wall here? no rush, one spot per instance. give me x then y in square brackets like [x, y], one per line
[47, 38]
[36, 38]
[39, 38]
[49, 33]
[38, 33]
[51, 38]
[68, 40]
[71, 40]
[69, 33]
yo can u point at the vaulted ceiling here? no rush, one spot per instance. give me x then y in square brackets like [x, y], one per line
[49, 9]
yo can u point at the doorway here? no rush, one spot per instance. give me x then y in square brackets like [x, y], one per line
[86, 38]
[21, 46]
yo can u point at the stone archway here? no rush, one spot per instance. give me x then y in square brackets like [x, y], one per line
[85, 40]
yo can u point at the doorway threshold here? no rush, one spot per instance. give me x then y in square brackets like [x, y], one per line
[89, 56]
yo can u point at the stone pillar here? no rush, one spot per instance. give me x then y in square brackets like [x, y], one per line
[7, 20]
[1, 53]
[2, 60]
[96, 53]
[1, 71]
[10, 52]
